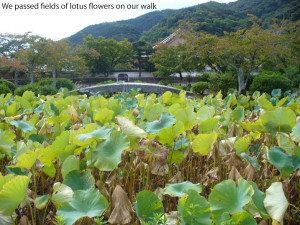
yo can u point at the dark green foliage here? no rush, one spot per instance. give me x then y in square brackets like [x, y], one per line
[204, 77]
[107, 82]
[4, 89]
[9, 84]
[180, 87]
[211, 17]
[199, 87]
[47, 90]
[29, 87]
[60, 83]
[131, 29]
[222, 82]
[267, 81]
[165, 82]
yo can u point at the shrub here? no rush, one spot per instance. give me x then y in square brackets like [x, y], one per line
[138, 81]
[60, 83]
[29, 87]
[204, 77]
[199, 87]
[65, 83]
[4, 89]
[267, 81]
[180, 87]
[47, 90]
[165, 82]
[222, 82]
[106, 82]
[8, 84]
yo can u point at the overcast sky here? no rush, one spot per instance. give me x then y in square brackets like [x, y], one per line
[60, 23]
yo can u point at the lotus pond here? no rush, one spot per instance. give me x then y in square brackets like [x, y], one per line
[146, 159]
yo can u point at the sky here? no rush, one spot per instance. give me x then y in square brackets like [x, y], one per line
[57, 19]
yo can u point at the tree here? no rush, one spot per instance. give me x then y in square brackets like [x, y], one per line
[243, 51]
[57, 55]
[105, 55]
[174, 59]
[143, 50]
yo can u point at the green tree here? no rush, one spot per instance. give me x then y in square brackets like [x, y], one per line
[143, 50]
[243, 51]
[104, 55]
[174, 59]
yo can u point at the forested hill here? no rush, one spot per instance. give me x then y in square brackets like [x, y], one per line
[131, 29]
[211, 17]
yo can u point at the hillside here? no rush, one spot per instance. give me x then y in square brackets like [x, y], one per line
[131, 29]
[215, 18]
[211, 17]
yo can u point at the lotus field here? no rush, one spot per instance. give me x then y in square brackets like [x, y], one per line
[145, 159]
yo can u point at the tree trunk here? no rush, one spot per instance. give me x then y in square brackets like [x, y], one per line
[241, 80]
[54, 77]
[180, 74]
[140, 69]
[16, 78]
[31, 74]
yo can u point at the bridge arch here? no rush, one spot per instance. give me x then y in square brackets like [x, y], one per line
[126, 87]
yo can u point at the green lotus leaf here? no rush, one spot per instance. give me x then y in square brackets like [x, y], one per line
[107, 155]
[204, 142]
[37, 138]
[40, 108]
[103, 115]
[128, 128]
[168, 134]
[26, 160]
[205, 112]
[182, 142]
[166, 97]
[79, 180]
[276, 93]
[258, 200]
[295, 135]
[130, 103]
[6, 143]
[242, 144]
[70, 163]
[178, 190]
[54, 109]
[51, 152]
[165, 120]
[101, 133]
[175, 156]
[238, 114]
[148, 204]
[49, 170]
[279, 120]
[187, 116]
[264, 103]
[12, 194]
[12, 109]
[226, 197]
[5, 179]
[41, 201]
[208, 125]
[194, 209]
[87, 203]
[251, 160]
[275, 202]
[242, 218]
[25, 127]
[284, 163]
[61, 193]
[285, 143]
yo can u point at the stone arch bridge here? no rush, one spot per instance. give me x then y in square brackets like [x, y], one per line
[126, 87]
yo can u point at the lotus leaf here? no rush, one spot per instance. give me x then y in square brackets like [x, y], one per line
[87, 203]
